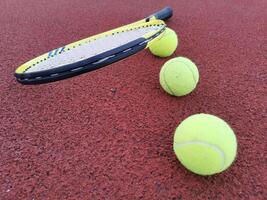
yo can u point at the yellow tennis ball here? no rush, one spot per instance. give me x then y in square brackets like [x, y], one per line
[205, 144]
[179, 76]
[165, 45]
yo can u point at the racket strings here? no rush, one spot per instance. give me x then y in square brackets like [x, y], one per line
[90, 48]
[95, 63]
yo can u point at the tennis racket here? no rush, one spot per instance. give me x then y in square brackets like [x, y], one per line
[93, 52]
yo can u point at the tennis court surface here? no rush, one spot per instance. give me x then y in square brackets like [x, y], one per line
[108, 134]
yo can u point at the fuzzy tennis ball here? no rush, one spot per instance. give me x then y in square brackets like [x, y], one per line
[165, 45]
[205, 144]
[179, 76]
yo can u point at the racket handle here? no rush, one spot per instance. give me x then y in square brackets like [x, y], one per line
[163, 14]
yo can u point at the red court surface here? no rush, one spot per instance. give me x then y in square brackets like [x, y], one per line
[108, 134]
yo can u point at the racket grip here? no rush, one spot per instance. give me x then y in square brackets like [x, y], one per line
[163, 14]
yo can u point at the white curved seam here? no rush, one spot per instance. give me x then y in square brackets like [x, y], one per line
[214, 147]
[164, 78]
[189, 68]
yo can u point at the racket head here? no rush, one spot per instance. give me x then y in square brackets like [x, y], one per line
[86, 55]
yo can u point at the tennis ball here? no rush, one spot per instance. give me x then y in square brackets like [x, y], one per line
[165, 45]
[205, 144]
[179, 76]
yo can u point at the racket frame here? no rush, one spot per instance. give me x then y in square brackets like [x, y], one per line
[98, 61]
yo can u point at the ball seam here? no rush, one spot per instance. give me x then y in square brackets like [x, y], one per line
[189, 70]
[165, 81]
[214, 147]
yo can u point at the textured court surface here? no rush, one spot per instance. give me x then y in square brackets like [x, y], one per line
[108, 134]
